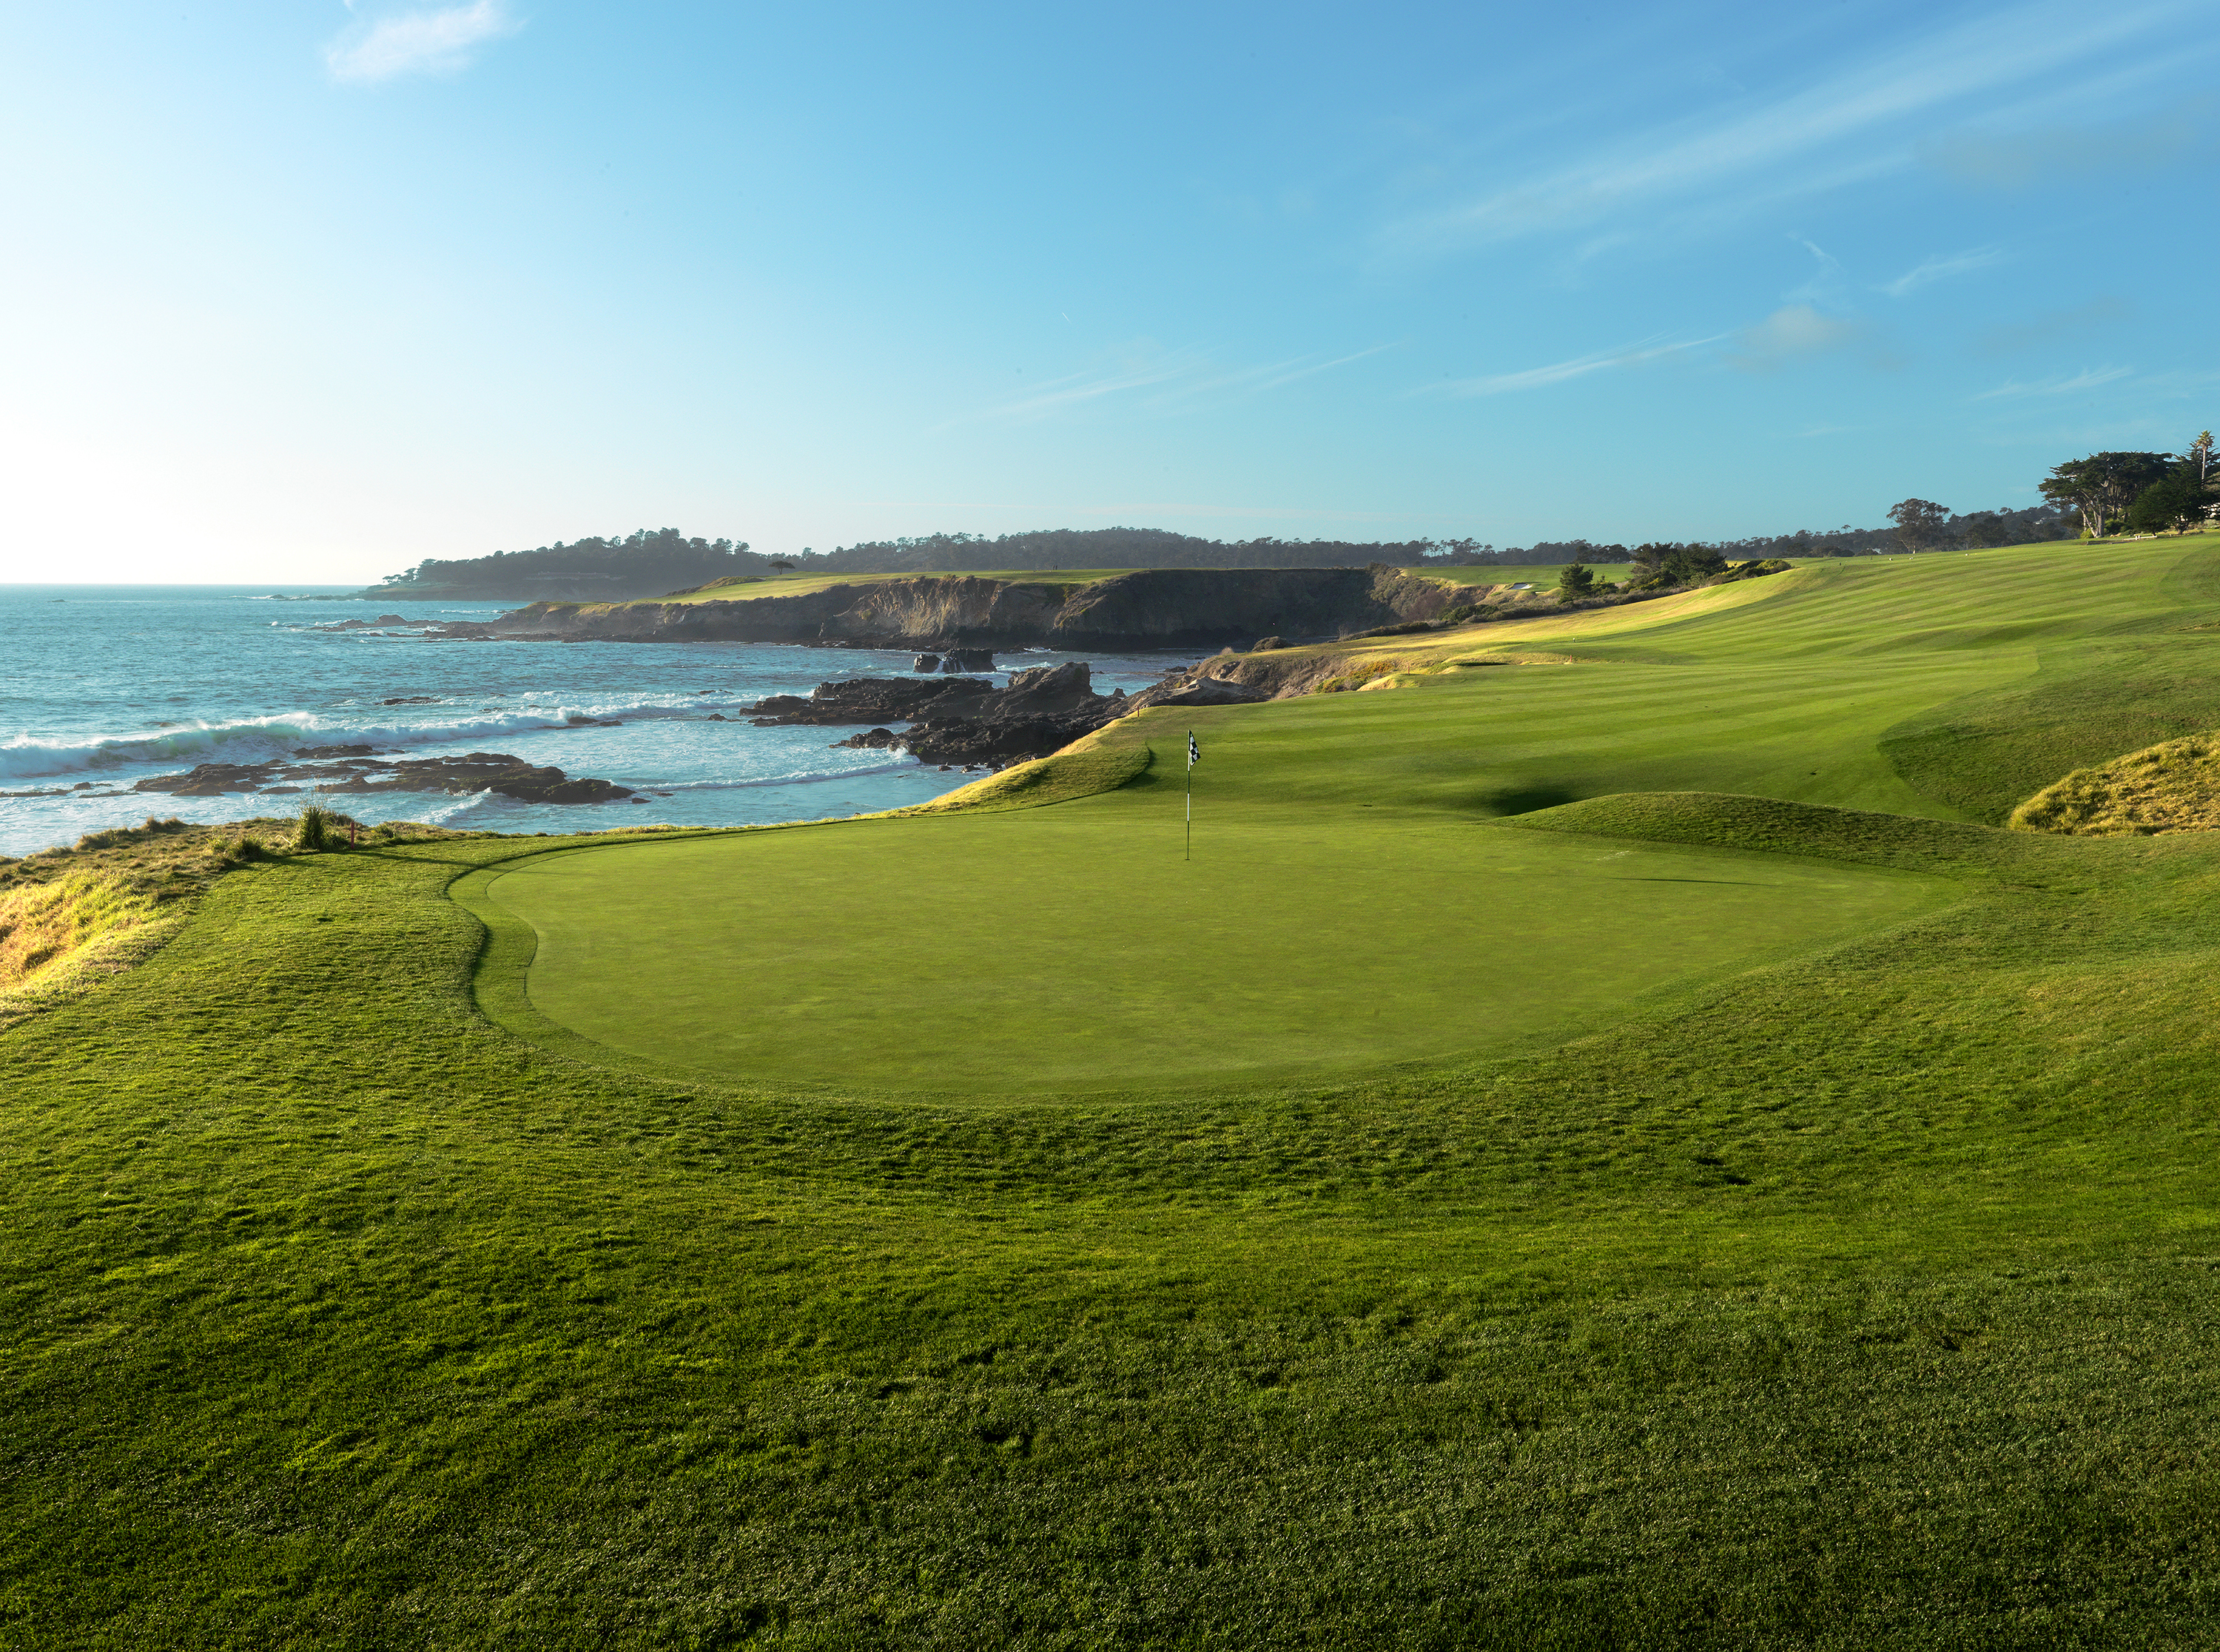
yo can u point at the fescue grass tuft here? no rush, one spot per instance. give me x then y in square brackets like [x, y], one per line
[2173, 786]
[320, 828]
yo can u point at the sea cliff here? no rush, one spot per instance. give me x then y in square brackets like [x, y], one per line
[1158, 607]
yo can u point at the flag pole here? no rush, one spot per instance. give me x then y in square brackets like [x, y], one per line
[1190, 794]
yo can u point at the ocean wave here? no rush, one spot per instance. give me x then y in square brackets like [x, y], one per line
[256, 739]
[446, 811]
[793, 777]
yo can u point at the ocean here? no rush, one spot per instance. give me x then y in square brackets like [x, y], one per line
[104, 685]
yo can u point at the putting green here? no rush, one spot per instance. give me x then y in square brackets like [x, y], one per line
[1073, 949]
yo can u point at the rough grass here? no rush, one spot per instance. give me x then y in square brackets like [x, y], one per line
[52, 933]
[2173, 786]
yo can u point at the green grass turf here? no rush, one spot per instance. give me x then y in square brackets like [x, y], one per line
[1867, 1298]
[767, 955]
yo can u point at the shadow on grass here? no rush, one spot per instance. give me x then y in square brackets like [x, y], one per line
[1522, 800]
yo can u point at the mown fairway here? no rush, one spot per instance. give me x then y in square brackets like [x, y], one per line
[1851, 1282]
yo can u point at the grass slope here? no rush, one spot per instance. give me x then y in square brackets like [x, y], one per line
[1865, 1299]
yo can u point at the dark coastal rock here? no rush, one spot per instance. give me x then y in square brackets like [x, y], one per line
[413, 700]
[872, 700]
[477, 771]
[333, 751]
[926, 663]
[1048, 689]
[968, 659]
[994, 742]
[365, 624]
[960, 721]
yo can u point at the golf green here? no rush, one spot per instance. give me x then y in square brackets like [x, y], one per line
[1073, 949]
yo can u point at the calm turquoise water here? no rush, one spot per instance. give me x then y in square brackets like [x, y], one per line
[110, 683]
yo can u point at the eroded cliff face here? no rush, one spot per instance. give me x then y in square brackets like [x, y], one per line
[1160, 607]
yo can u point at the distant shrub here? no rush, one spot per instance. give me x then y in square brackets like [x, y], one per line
[1463, 613]
[1266, 644]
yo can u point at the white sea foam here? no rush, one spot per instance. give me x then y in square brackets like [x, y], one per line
[257, 739]
[792, 777]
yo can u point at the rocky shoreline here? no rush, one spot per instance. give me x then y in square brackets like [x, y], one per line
[352, 771]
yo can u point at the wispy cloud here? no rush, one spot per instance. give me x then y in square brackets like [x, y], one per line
[1060, 393]
[1170, 382]
[418, 42]
[1535, 378]
[1823, 281]
[1862, 122]
[1941, 269]
[2088, 379]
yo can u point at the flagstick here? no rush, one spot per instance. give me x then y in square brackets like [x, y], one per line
[1190, 794]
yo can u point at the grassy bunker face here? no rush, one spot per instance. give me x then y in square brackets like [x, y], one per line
[1073, 949]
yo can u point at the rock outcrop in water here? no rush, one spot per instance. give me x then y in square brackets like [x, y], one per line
[959, 720]
[1156, 608]
[353, 772]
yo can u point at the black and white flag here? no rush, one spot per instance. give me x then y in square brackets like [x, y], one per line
[1193, 751]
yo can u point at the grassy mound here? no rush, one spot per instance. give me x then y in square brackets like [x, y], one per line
[1945, 848]
[2173, 786]
[1081, 769]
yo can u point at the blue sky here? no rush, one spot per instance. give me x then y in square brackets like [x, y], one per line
[301, 291]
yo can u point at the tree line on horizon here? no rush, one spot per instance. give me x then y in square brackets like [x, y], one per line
[668, 559]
